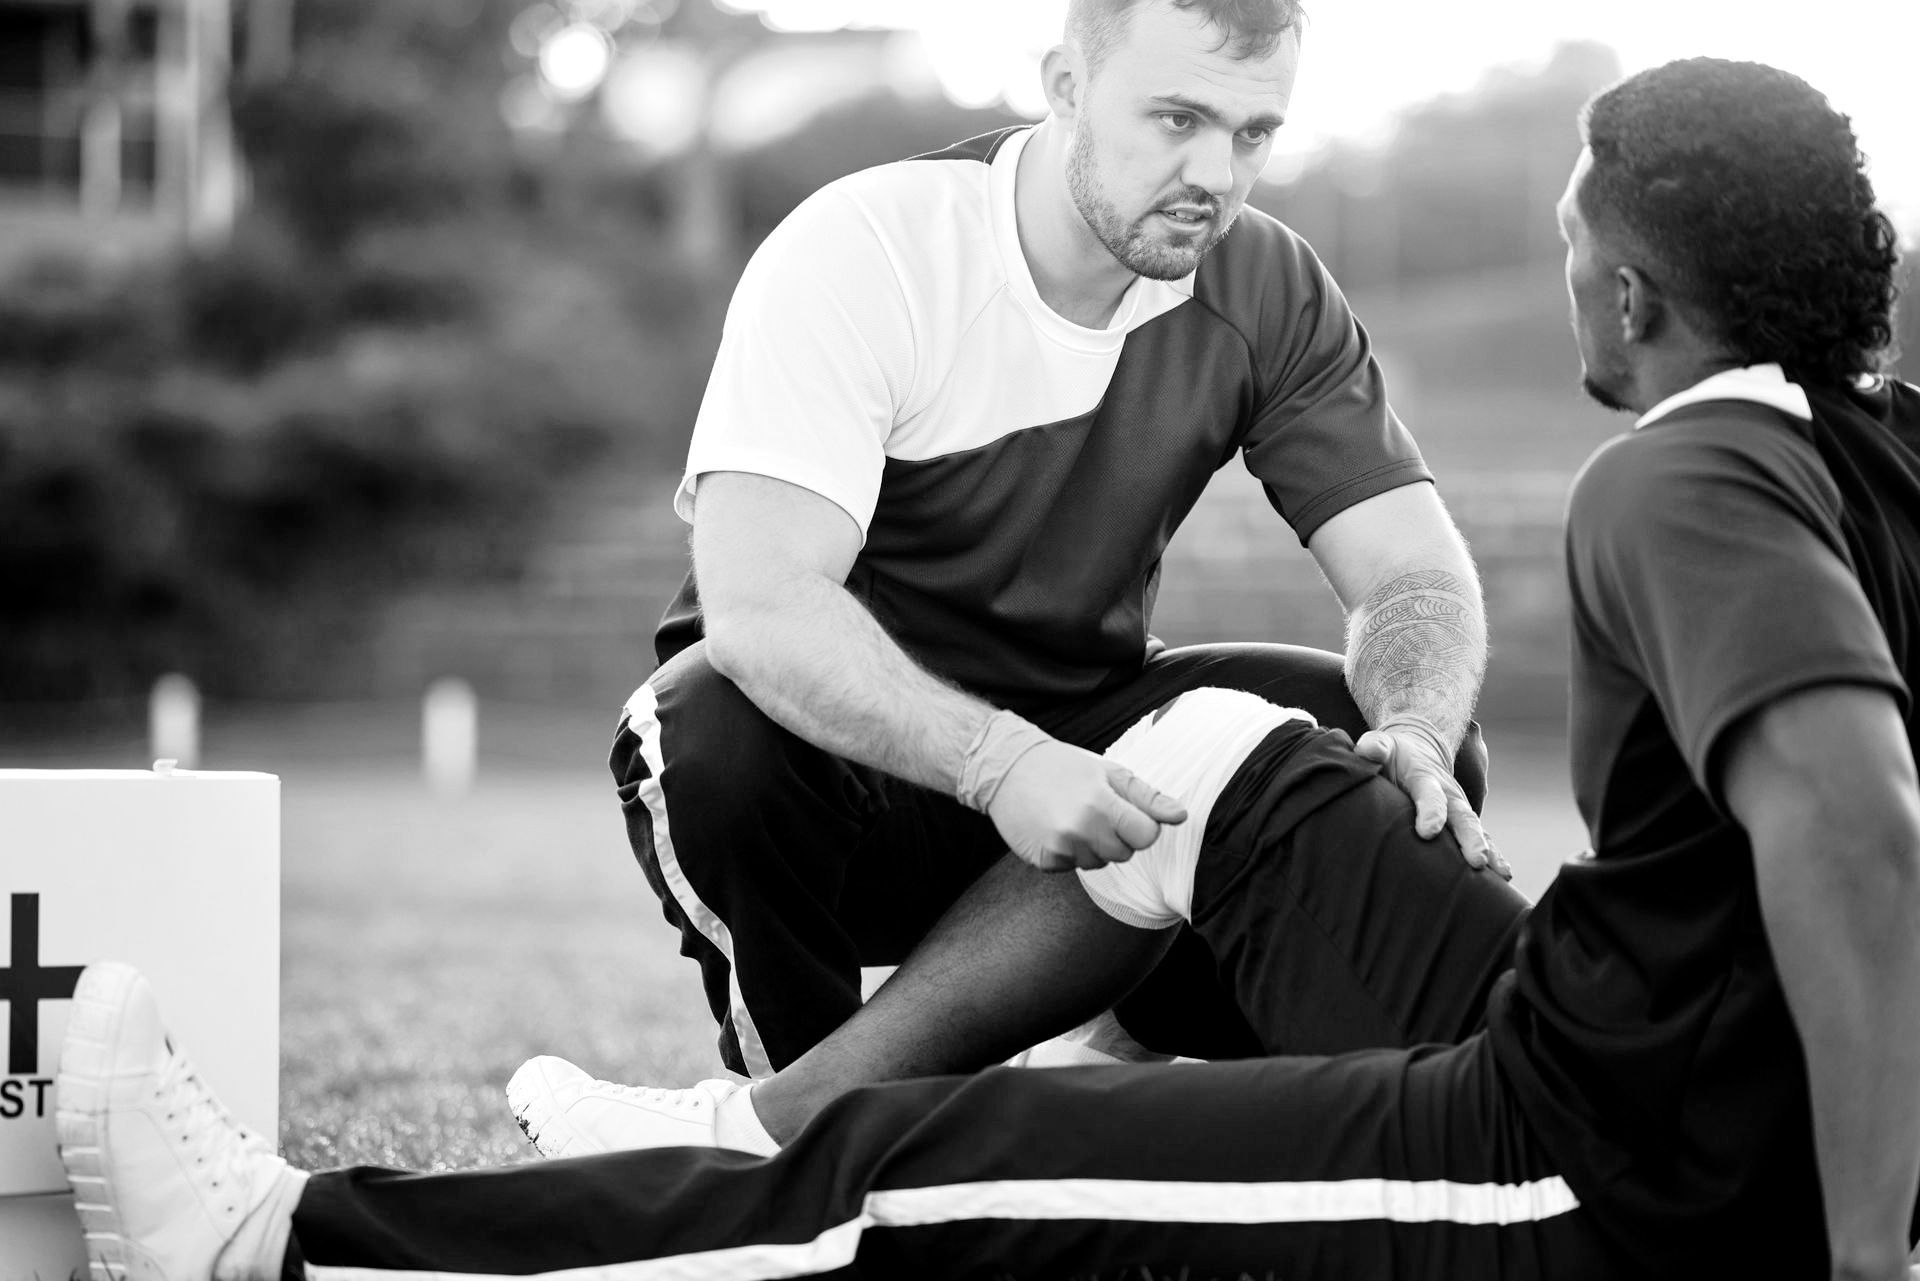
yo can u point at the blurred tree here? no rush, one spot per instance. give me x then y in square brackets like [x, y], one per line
[702, 213]
[1466, 184]
[387, 116]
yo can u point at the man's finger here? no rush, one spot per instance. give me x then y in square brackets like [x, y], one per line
[1048, 861]
[1466, 829]
[1105, 844]
[1472, 834]
[1375, 746]
[1429, 806]
[1145, 797]
[1131, 825]
[1101, 851]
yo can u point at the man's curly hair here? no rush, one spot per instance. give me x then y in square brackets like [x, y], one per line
[1251, 28]
[1749, 194]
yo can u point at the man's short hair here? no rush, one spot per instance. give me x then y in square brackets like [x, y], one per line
[1747, 194]
[1250, 28]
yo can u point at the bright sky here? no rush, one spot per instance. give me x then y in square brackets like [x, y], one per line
[1364, 60]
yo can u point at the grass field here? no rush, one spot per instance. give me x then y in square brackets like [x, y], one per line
[432, 944]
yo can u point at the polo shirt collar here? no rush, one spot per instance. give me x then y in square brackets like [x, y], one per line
[1762, 384]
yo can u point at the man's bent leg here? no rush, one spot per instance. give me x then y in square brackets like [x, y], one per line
[748, 834]
[1383, 1165]
[1184, 1006]
[1024, 955]
[1335, 926]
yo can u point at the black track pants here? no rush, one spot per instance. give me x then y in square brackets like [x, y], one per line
[1335, 927]
[786, 869]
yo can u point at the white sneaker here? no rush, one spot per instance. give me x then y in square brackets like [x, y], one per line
[162, 1175]
[1099, 1042]
[565, 1112]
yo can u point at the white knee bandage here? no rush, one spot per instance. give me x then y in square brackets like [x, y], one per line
[1188, 749]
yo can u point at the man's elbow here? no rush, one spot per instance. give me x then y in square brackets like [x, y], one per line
[729, 629]
[744, 624]
[1874, 865]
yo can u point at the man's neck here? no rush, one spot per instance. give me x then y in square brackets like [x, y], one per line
[1076, 275]
[1670, 371]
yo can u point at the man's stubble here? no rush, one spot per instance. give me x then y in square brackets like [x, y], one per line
[1136, 250]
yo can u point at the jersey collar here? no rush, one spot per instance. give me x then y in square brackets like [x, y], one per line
[1143, 301]
[1762, 384]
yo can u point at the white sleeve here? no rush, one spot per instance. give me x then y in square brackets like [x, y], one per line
[816, 356]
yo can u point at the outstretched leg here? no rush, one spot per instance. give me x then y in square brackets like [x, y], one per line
[1392, 1164]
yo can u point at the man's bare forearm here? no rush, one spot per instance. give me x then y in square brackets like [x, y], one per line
[816, 662]
[1417, 647]
[1843, 937]
[1824, 783]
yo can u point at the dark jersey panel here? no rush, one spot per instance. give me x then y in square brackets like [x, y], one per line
[1718, 559]
[1319, 434]
[984, 147]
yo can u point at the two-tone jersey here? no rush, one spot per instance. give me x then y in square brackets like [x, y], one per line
[1757, 539]
[1017, 476]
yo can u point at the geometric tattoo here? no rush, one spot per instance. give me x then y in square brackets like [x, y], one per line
[1418, 650]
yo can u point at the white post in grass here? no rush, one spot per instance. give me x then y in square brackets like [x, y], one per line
[173, 721]
[450, 736]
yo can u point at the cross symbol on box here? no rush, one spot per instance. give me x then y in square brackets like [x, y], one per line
[25, 983]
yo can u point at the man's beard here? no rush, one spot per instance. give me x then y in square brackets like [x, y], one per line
[1138, 251]
[1604, 398]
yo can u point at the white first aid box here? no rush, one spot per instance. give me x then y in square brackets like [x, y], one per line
[177, 872]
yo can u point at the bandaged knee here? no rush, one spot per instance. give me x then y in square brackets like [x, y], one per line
[1188, 749]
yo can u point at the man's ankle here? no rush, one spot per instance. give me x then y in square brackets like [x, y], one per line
[737, 1125]
[261, 1248]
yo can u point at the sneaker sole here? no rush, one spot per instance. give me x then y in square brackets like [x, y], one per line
[531, 1098]
[82, 1096]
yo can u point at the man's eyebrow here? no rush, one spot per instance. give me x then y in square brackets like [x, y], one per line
[1212, 115]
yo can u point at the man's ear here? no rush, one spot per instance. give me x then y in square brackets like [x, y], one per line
[1639, 304]
[1063, 77]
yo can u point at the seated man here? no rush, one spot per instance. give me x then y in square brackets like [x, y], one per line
[1701, 1061]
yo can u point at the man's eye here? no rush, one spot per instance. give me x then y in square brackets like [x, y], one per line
[1176, 121]
[1255, 137]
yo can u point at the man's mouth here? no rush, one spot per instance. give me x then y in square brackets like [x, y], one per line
[1186, 215]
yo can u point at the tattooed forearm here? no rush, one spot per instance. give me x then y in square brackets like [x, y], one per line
[1418, 647]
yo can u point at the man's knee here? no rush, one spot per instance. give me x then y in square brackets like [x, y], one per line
[691, 722]
[700, 753]
[1314, 680]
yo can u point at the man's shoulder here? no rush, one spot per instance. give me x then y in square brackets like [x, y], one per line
[934, 207]
[920, 220]
[1689, 469]
[1699, 444]
[981, 148]
[950, 181]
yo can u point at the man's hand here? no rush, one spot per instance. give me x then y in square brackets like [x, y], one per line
[1414, 758]
[1062, 807]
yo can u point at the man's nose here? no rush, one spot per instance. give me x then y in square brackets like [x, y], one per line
[1209, 163]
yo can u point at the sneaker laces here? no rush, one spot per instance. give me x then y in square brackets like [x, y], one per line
[692, 1099]
[213, 1146]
